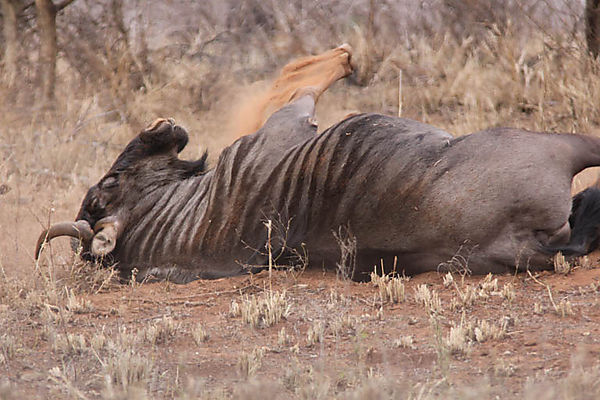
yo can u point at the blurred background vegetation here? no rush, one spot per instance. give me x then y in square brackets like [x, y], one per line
[465, 64]
[80, 77]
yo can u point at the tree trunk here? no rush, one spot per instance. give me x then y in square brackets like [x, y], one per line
[46, 21]
[9, 30]
[592, 26]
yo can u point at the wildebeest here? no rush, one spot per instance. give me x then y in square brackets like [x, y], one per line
[396, 192]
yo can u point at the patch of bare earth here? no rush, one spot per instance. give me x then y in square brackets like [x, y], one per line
[304, 335]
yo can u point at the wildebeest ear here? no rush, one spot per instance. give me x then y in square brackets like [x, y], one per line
[164, 135]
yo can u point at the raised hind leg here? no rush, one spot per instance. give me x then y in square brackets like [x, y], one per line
[313, 74]
[308, 75]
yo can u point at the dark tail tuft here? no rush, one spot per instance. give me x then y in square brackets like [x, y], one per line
[585, 224]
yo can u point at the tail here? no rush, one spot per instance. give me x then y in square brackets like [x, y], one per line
[585, 224]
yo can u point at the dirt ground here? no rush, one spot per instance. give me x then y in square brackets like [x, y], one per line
[365, 347]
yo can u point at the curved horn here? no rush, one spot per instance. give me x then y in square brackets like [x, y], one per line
[80, 230]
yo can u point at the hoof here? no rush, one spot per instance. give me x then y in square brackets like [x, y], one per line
[347, 48]
[157, 124]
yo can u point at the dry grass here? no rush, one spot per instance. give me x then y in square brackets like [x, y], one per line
[160, 332]
[508, 292]
[200, 334]
[428, 298]
[127, 363]
[8, 348]
[264, 310]
[249, 363]
[476, 74]
[561, 264]
[391, 288]
[315, 333]
[406, 342]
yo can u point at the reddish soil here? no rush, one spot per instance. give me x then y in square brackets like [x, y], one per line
[542, 346]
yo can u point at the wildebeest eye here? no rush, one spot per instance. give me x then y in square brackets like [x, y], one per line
[110, 182]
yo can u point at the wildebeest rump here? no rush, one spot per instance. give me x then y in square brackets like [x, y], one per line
[411, 196]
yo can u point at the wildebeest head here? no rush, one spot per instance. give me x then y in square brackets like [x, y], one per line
[148, 164]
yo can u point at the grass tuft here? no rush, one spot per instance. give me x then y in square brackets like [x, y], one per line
[264, 310]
